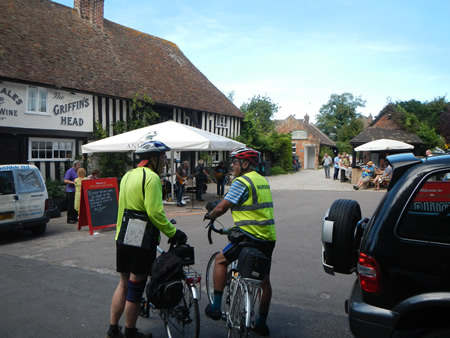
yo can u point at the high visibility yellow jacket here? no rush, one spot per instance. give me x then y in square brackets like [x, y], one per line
[131, 197]
[255, 215]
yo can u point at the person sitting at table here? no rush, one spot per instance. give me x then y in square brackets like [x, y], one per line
[346, 166]
[367, 173]
[385, 176]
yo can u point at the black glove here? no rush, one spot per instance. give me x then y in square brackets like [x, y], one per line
[179, 238]
[206, 216]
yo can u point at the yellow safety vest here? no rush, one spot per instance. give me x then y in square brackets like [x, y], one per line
[255, 215]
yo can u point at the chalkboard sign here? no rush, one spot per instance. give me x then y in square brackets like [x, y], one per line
[98, 204]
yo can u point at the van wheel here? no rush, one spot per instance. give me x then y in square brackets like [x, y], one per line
[345, 214]
[39, 229]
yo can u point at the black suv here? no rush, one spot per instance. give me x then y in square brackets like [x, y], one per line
[401, 255]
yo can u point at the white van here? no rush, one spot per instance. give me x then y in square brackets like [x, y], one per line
[23, 199]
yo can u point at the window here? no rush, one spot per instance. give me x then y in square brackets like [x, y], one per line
[428, 216]
[221, 121]
[294, 147]
[42, 149]
[37, 100]
[6, 183]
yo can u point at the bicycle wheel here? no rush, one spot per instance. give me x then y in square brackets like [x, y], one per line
[238, 311]
[210, 277]
[183, 320]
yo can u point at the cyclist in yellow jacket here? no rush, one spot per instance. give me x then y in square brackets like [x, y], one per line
[250, 201]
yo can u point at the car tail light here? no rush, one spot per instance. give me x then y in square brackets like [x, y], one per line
[369, 274]
[46, 205]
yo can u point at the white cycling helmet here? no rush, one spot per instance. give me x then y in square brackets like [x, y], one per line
[149, 149]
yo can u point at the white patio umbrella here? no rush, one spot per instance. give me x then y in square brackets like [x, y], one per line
[177, 136]
[384, 144]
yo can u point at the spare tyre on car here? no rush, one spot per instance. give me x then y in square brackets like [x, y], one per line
[338, 230]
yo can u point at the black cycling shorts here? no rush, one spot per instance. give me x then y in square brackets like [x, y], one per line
[232, 250]
[134, 260]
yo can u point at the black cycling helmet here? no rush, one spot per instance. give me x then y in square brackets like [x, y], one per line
[243, 153]
[149, 149]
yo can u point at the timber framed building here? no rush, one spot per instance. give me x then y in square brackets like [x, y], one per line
[64, 69]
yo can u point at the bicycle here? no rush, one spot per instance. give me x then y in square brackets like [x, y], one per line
[182, 320]
[242, 293]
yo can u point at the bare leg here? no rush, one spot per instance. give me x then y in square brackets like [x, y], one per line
[132, 308]
[118, 299]
[266, 296]
[220, 272]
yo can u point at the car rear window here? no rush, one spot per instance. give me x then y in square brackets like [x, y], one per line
[29, 180]
[427, 217]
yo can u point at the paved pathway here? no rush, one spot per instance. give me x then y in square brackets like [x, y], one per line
[307, 179]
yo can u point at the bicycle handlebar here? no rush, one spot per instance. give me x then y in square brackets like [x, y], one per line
[212, 228]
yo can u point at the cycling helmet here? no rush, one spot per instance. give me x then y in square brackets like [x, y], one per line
[151, 148]
[243, 153]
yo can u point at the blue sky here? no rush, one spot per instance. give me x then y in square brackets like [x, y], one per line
[300, 52]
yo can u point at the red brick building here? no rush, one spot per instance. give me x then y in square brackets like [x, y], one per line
[64, 69]
[307, 140]
[384, 127]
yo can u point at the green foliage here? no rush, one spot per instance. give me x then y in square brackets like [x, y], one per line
[418, 122]
[281, 148]
[258, 132]
[324, 150]
[142, 115]
[278, 171]
[260, 110]
[444, 124]
[344, 146]
[251, 135]
[55, 189]
[338, 119]
[427, 112]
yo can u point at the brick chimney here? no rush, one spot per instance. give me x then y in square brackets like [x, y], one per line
[91, 10]
[306, 119]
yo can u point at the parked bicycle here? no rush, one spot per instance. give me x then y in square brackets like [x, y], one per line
[243, 289]
[182, 320]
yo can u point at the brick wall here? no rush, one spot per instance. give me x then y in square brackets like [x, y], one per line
[292, 124]
[91, 10]
[386, 123]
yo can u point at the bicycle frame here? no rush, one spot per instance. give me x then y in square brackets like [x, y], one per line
[251, 292]
[181, 316]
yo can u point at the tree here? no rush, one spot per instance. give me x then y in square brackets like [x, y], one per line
[419, 121]
[339, 119]
[258, 132]
[261, 110]
[230, 96]
[280, 146]
[444, 124]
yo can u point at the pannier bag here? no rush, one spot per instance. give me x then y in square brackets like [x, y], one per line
[166, 289]
[252, 263]
[185, 252]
